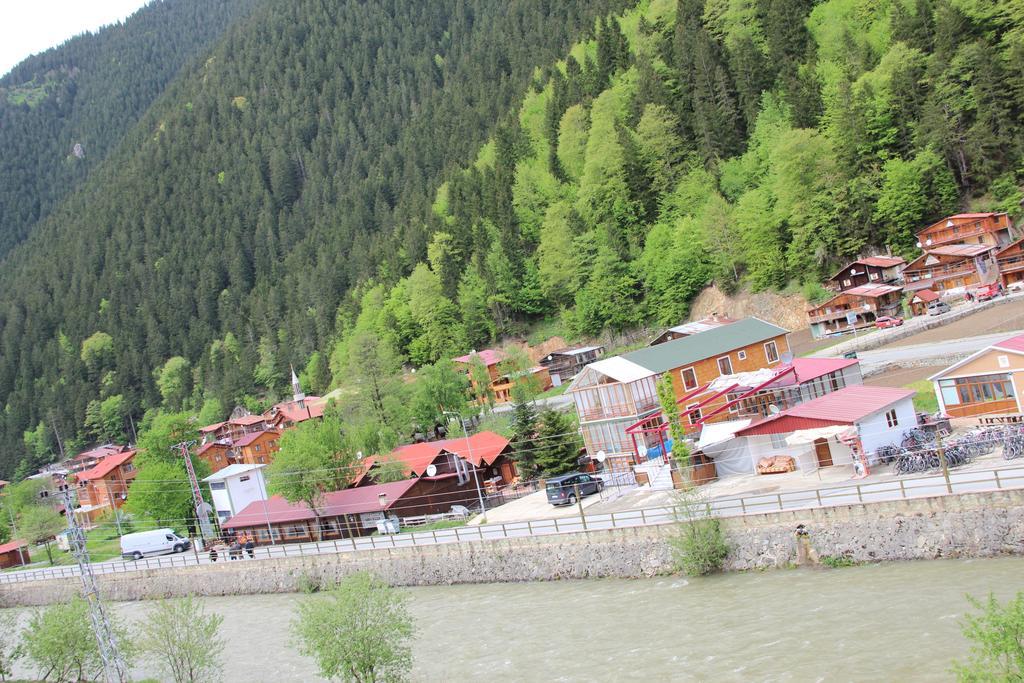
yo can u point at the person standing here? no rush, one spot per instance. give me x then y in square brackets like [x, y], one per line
[249, 546]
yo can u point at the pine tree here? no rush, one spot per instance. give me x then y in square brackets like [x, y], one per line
[524, 438]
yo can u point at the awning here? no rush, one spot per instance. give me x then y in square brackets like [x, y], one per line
[804, 436]
[743, 379]
[717, 432]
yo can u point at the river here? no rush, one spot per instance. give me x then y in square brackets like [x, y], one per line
[896, 621]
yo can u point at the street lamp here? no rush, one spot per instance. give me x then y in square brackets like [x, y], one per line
[469, 451]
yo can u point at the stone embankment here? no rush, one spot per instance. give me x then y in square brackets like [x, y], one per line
[969, 525]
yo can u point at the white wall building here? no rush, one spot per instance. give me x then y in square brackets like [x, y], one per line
[235, 487]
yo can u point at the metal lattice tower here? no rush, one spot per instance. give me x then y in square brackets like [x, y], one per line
[202, 508]
[114, 668]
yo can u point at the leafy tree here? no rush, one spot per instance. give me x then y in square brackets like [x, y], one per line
[313, 460]
[105, 419]
[676, 431]
[97, 352]
[517, 366]
[211, 412]
[175, 382]
[316, 377]
[389, 469]
[359, 631]
[161, 490]
[10, 652]
[477, 327]
[997, 641]
[557, 444]
[439, 388]
[39, 524]
[39, 443]
[183, 639]
[59, 640]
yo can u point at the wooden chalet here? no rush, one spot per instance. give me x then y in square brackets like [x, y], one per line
[347, 513]
[870, 270]
[952, 268]
[1011, 262]
[988, 382]
[991, 229]
[257, 448]
[450, 460]
[14, 554]
[501, 384]
[691, 328]
[106, 485]
[564, 364]
[216, 454]
[921, 299]
[857, 307]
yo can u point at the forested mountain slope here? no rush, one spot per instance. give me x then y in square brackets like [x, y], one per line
[62, 111]
[298, 159]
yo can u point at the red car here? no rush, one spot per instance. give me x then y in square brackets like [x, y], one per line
[988, 292]
[887, 321]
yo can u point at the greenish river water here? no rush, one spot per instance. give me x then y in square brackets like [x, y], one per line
[897, 622]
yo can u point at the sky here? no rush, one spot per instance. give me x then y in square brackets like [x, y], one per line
[31, 26]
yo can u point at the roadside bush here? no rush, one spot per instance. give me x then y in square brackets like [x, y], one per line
[359, 631]
[183, 640]
[308, 584]
[997, 641]
[60, 642]
[700, 547]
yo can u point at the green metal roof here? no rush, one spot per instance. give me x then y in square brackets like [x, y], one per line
[708, 344]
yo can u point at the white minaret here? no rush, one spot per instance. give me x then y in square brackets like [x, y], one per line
[297, 394]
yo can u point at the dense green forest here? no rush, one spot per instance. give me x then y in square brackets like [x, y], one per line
[62, 111]
[346, 189]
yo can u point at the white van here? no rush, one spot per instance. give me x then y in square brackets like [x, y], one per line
[156, 542]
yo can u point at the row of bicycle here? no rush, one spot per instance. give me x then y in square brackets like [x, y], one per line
[919, 451]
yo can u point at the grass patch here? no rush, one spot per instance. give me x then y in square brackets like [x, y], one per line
[499, 423]
[924, 399]
[437, 526]
[837, 561]
[554, 391]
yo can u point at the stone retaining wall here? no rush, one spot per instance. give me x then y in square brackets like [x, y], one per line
[969, 525]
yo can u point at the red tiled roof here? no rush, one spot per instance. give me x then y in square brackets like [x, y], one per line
[212, 428]
[276, 510]
[106, 466]
[247, 420]
[252, 436]
[12, 545]
[1012, 344]
[312, 406]
[845, 406]
[207, 446]
[488, 356]
[927, 296]
[881, 261]
[100, 452]
[484, 447]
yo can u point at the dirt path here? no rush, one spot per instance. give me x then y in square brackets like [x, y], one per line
[901, 377]
[1006, 318]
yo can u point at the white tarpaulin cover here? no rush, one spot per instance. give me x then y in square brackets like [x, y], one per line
[743, 379]
[804, 436]
[717, 432]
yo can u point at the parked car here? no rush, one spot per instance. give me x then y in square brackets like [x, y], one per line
[887, 321]
[156, 542]
[1017, 286]
[562, 489]
[938, 308]
[988, 292]
[850, 354]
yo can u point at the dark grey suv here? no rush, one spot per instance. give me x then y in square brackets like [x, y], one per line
[562, 489]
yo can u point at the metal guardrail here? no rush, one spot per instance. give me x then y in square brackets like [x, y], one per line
[1005, 478]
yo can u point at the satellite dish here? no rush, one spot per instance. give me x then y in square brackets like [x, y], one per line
[773, 409]
[359, 455]
[431, 470]
[600, 456]
[787, 358]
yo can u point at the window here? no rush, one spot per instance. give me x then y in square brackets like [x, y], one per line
[1004, 361]
[689, 377]
[127, 467]
[694, 417]
[846, 282]
[742, 355]
[890, 418]
[256, 448]
[170, 538]
[725, 365]
[771, 352]
[873, 276]
[217, 486]
[779, 441]
[976, 389]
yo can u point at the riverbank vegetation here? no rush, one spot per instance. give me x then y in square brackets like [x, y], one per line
[699, 546]
[360, 631]
[996, 633]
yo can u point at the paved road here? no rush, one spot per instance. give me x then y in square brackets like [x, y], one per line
[872, 360]
[560, 402]
[1009, 477]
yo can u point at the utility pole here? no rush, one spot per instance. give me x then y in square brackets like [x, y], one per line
[941, 451]
[201, 506]
[469, 452]
[114, 668]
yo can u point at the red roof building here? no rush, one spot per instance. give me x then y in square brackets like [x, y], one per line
[864, 304]
[872, 270]
[993, 229]
[14, 554]
[501, 384]
[347, 513]
[256, 448]
[489, 452]
[846, 406]
[106, 484]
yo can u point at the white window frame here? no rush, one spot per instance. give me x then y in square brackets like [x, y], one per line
[682, 378]
[775, 351]
[741, 355]
[726, 358]
[1004, 361]
[891, 418]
